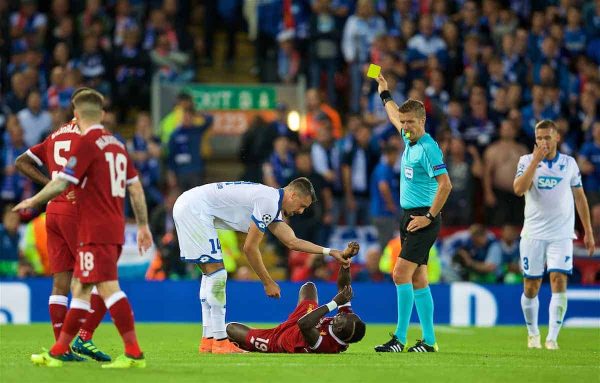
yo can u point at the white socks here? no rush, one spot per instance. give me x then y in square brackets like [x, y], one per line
[212, 295]
[206, 327]
[558, 308]
[530, 312]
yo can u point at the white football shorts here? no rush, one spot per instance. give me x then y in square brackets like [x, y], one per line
[537, 255]
[197, 236]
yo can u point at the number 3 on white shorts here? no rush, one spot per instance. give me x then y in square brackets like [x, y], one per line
[86, 261]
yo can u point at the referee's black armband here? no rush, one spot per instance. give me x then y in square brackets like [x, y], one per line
[385, 96]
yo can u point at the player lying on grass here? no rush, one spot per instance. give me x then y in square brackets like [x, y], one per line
[307, 330]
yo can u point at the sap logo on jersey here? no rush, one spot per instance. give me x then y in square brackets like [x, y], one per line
[548, 182]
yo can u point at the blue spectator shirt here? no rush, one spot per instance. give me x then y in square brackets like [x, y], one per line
[591, 152]
[185, 151]
[422, 161]
[384, 172]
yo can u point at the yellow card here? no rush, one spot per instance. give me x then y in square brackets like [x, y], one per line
[373, 71]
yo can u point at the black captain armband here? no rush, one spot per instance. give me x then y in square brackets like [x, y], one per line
[385, 96]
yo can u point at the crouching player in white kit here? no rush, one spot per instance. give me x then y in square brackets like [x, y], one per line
[245, 207]
[548, 179]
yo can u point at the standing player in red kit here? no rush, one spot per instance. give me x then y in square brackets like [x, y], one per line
[100, 167]
[61, 226]
[306, 330]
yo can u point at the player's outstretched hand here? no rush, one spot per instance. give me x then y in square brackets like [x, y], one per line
[144, 239]
[25, 204]
[588, 241]
[272, 290]
[344, 296]
[351, 250]
[339, 256]
[382, 83]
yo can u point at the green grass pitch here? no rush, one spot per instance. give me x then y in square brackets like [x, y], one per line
[467, 355]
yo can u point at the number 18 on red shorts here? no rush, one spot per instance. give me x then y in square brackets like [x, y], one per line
[97, 262]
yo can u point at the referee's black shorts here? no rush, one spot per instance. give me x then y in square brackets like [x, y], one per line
[416, 244]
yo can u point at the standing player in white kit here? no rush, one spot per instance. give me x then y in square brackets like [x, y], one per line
[550, 182]
[245, 207]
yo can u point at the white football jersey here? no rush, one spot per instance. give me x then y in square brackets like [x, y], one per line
[549, 205]
[235, 205]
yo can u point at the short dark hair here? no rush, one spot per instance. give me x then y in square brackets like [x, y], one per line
[546, 124]
[303, 186]
[358, 329]
[413, 106]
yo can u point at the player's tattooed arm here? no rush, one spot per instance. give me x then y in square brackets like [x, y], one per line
[138, 203]
[51, 190]
[27, 166]
[308, 322]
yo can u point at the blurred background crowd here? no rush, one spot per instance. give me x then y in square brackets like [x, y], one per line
[486, 71]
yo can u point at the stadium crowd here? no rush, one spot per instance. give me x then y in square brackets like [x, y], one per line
[486, 71]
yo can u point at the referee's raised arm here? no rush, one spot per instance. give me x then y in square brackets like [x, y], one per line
[391, 108]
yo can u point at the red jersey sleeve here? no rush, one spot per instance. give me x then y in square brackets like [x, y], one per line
[82, 156]
[38, 153]
[132, 174]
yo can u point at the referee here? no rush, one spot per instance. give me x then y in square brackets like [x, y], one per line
[424, 188]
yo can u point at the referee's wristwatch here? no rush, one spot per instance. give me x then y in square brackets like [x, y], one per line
[429, 216]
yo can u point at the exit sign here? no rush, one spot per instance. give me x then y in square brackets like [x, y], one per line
[209, 97]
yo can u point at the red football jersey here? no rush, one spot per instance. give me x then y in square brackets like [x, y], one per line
[100, 166]
[291, 340]
[53, 153]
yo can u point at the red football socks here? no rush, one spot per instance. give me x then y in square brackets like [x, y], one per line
[122, 316]
[73, 320]
[57, 306]
[95, 316]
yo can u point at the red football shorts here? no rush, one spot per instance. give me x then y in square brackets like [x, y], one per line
[97, 263]
[62, 242]
[285, 338]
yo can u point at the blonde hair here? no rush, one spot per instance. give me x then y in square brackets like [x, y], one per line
[88, 103]
[413, 106]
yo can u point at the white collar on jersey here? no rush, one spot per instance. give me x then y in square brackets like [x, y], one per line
[93, 127]
[335, 337]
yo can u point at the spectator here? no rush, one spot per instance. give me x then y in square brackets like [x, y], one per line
[478, 128]
[173, 119]
[370, 272]
[288, 58]
[16, 99]
[255, 148]
[375, 115]
[145, 151]
[357, 166]
[124, 22]
[385, 196]
[511, 260]
[316, 112]
[93, 63]
[170, 63]
[589, 163]
[315, 223]
[359, 32]
[472, 255]
[423, 46]
[536, 111]
[280, 164]
[324, 49]
[464, 166]
[9, 243]
[575, 38]
[131, 71]
[270, 18]
[58, 95]
[500, 164]
[185, 161]
[34, 120]
[27, 25]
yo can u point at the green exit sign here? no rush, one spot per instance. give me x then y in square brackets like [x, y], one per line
[209, 97]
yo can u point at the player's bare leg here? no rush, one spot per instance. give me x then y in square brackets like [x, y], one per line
[214, 279]
[557, 309]
[308, 291]
[530, 305]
